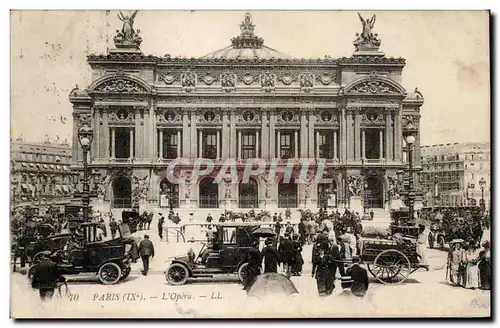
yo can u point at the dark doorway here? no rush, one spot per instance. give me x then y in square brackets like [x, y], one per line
[372, 144]
[374, 193]
[287, 194]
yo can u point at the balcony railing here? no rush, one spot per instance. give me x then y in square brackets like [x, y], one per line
[122, 203]
[287, 201]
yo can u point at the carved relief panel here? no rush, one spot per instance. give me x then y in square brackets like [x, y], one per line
[287, 116]
[209, 117]
[372, 117]
[268, 81]
[166, 116]
[248, 116]
[121, 115]
[327, 117]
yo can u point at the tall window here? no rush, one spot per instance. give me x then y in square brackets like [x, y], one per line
[170, 143]
[286, 145]
[209, 145]
[248, 144]
[122, 143]
[372, 144]
[325, 144]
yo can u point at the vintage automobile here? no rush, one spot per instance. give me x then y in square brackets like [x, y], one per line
[226, 254]
[109, 259]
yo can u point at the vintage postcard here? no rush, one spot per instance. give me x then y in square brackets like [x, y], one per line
[258, 164]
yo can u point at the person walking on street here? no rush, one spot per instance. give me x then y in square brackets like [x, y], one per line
[161, 220]
[359, 277]
[270, 256]
[113, 227]
[146, 250]
[46, 276]
[285, 250]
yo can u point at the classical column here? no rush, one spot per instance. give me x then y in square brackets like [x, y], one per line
[145, 135]
[334, 144]
[160, 143]
[113, 154]
[95, 146]
[272, 135]
[363, 144]
[217, 143]
[186, 140]
[278, 144]
[296, 144]
[232, 145]
[349, 137]
[131, 142]
[257, 144]
[303, 133]
[239, 144]
[264, 153]
[154, 149]
[75, 150]
[105, 136]
[398, 150]
[357, 130]
[200, 144]
[194, 135]
[310, 137]
[381, 143]
[225, 134]
[317, 144]
[138, 136]
[343, 139]
[179, 143]
[388, 134]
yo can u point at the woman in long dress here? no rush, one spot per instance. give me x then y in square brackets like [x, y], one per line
[421, 246]
[484, 267]
[471, 279]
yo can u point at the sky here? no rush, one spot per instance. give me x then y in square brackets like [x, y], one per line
[447, 57]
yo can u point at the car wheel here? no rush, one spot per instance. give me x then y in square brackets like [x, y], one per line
[242, 273]
[440, 242]
[109, 273]
[177, 274]
[31, 272]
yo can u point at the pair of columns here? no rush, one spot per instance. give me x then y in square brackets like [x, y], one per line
[381, 144]
[335, 152]
[113, 142]
[178, 143]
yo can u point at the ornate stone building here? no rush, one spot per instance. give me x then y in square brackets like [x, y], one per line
[40, 172]
[245, 101]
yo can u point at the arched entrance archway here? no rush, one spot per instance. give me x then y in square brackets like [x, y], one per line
[327, 194]
[248, 194]
[374, 193]
[287, 194]
[169, 194]
[208, 193]
[122, 193]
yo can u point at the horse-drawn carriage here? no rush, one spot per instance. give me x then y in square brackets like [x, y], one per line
[392, 260]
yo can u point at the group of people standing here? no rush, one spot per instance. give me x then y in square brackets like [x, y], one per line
[469, 267]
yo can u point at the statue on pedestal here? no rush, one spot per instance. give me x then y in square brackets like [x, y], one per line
[227, 194]
[367, 40]
[355, 185]
[127, 37]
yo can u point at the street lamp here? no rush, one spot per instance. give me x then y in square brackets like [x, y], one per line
[435, 189]
[366, 216]
[409, 135]
[482, 184]
[85, 136]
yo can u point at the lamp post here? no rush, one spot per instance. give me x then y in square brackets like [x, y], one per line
[435, 194]
[85, 136]
[409, 135]
[482, 184]
[366, 216]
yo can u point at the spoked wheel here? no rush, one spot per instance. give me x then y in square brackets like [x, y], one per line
[177, 274]
[390, 267]
[242, 272]
[125, 274]
[109, 273]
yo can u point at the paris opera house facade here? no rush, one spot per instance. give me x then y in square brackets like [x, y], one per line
[244, 101]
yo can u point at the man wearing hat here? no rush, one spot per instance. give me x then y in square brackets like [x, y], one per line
[359, 278]
[46, 276]
[270, 256]
[146, 250]
[161, 220]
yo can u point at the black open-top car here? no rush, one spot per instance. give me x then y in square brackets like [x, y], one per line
[226, 253]
[109, 259]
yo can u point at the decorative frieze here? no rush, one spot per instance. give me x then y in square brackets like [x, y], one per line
[268, 81]
[120, 85]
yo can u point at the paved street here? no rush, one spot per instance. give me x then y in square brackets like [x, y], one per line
[152, 297]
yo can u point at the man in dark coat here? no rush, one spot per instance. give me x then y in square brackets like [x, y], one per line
[252, 270]
[359, 277]
[161, 220]
[46, 276]
[285, 250]
[302, 231]
[270, 256]
[146, 250]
